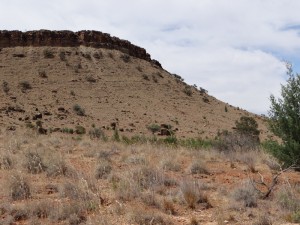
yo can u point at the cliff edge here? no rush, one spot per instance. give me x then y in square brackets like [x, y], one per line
[89, 38]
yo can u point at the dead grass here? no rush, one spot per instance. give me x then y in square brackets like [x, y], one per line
[246, 194]
[69, 191]
[192, 194]
[19, 187]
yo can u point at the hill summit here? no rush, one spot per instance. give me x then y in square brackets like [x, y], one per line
[65, 79]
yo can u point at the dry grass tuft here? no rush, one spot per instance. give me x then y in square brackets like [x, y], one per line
[103, 170]
[34, 163]
[199, 167]
[19, 188]
[168, 207]
[246, 194]
[6, 162]
[192, 194]
[148, 218]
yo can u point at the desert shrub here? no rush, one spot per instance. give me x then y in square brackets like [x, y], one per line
[78, 110]
[178, 77]
[288, 201]
[192, 194]
[62, 56]
[5, 87]
[145, 77]
[154, 79]
[136, 160]
[188, 91]
[97, 133]
[139, 68]
[249, 160]
[80, 130]
[67, 130]
[248, 126]
[43, 74]
[103, 170]
[193, 221]
[198, 167]
[20, 213]
[91, 79]
[138, 139]
[126, 58]
[234, 141]
[34, 163]
[153, 128]
[172, 140]
[263, 220]
[19, 188]
[170, 165]
[246, 194]
[5, 162]
[75, 219]
[149, 199]
[202, 90]
[205, 99]
[126, 189]
[98, 55]
[40, 209]
[147, 177]
[148, 218]
[73, 191]
[294, 217]
[25, 85]
[48, 54]
[168, 207]
[67, 211]
[58, 167]
[111, 55]
[226, 109]
[116, 136]
[87, 55]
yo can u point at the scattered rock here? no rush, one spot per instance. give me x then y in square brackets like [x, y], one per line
[37, 116]
[165, 132]
[11, 128]
[42, 130]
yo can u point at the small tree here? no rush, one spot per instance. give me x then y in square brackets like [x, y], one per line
[248, 126]
[285, 121]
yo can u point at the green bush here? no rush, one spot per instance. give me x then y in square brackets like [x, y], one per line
[153, 128]
[80, 130]
[78, 110]
[116, 136]
[285, 121]
[171, 140]
[247, 125]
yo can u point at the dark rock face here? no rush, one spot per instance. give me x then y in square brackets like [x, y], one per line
[87, 38]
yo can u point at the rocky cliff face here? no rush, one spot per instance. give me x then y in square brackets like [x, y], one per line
[93, 39]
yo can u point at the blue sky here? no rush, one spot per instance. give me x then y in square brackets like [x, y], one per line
[235, 49]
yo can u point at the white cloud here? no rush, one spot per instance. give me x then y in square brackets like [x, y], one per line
[232, 48]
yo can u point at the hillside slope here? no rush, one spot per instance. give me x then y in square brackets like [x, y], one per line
[44, 74]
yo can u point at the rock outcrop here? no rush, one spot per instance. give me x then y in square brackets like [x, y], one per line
[66, 38]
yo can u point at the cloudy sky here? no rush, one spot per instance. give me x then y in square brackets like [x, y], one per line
[233, 48]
